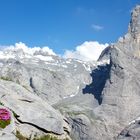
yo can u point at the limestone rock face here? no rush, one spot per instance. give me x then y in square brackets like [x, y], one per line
[49, 80]
[31, 109]
[121, 93]
[115, 87]
[130, 132]
[31, 116]
[134, 28]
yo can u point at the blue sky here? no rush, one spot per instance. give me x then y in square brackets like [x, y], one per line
[63, 24]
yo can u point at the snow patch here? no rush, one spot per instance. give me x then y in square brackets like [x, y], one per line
[75, 66]
[68, 62]
[104, 62]
[133, 121]
[64, 66]
[87, 67]
[44, 58]
[1, 64]
[72, 95]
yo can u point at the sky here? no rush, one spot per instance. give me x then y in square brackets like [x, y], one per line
[63, 25]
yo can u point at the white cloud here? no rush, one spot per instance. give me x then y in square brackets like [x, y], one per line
[22, 46]
[97, 27]
[88, 51]
[21, 50]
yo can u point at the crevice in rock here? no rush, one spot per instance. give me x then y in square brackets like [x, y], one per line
[66, 130]
[39, 128]
[79, 127]
[79, 121]
[32, 85]
[25, 100]
[127, 133]
[3, 96]
[66, 121]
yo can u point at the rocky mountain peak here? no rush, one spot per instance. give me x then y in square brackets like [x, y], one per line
[131, 40]
[134, 26]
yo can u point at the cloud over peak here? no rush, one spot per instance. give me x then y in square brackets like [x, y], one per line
[88, 51]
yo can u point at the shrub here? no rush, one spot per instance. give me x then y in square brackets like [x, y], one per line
[20, 136]
[1, 104]
[46, 137]
[5, 118]
[6, 78]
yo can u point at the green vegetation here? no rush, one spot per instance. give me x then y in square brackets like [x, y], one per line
[66, 110]
[75, 113]
[26, 87]
[46, 137]
[66, 139]
[20, 136]
[1, 104]
[5, 78]
[4, 123]
[5, 117]
[49, 137]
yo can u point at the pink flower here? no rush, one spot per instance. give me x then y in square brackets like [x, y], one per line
[4, 114]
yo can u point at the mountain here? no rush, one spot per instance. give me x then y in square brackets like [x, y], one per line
[32, 81]
[68, 99]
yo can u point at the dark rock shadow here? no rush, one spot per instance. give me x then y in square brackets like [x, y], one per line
[99, 78]
[32, 85]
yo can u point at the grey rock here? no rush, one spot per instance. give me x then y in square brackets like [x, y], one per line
[45, 80]
[80, 127]
[5, 136]
[30, 109]
[134, 27]
[130, 132]
[120, 95]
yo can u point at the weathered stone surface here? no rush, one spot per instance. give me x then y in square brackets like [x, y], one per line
[134, 26]
[131, 132]
[30, 109]
[5, 136]
[52, 82]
